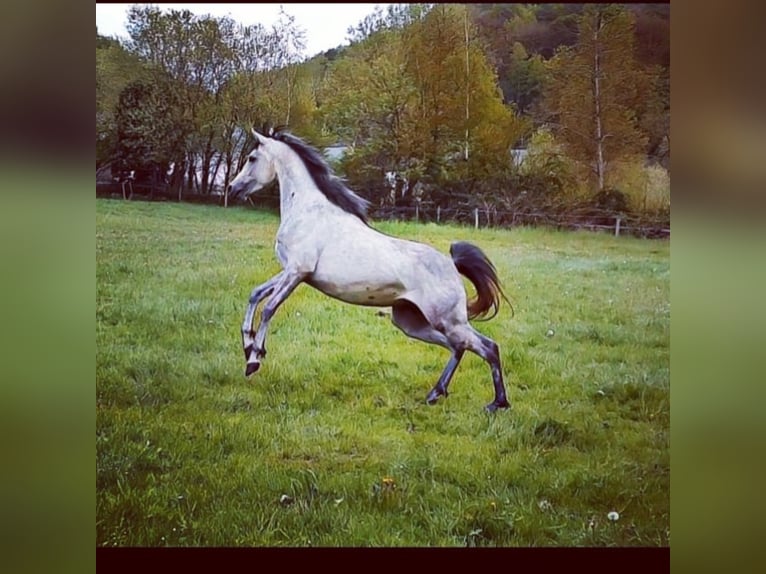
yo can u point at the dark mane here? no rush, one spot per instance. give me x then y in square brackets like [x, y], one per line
[328, 183]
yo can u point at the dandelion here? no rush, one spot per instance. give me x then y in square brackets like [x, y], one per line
[613, 516]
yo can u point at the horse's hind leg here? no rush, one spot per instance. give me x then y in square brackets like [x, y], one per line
[488, 350]
[408, 317]
[440, 388]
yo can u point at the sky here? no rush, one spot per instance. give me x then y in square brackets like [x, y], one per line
[325, 24]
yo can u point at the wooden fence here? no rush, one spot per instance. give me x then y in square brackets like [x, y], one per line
[590, 219]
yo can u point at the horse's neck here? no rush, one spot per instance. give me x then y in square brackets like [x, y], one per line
[297, 189]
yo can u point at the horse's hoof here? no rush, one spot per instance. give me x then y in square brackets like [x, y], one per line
[433, 396]
[494, 405]
[252, 368]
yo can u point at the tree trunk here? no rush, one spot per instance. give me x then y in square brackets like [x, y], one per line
[600, 165]
[177, 177]
[289, 96]
[214, 174]
[227, 173]
[207, 157]
[191, 175]
[467, 80]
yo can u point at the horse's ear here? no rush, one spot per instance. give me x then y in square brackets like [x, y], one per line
[268, 130]
[258, 137]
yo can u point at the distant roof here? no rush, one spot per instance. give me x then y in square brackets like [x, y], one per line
[335, 151]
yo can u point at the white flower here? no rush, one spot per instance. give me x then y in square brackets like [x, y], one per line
[613, 516]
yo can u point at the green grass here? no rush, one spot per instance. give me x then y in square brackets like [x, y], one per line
[189, 452]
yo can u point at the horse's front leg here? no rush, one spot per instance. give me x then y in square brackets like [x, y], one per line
[258, 294]
[284, 284]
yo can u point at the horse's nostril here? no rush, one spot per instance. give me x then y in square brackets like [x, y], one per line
[228, 189]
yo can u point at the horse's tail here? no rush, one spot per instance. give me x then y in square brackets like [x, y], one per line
[471, 262]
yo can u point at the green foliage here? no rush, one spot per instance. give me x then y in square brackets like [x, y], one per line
[546, 155]
[646, 187]
[546, 179]
[438, 93]
[377, 115]
[395, 17]
[426, 96]
[593, 92]
[115, 69]
[525, 78]
[147, 139]
[331, 444]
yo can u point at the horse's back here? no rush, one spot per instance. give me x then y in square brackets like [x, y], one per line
[365, 267]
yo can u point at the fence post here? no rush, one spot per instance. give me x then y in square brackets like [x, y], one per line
[476, 217]
[438, 213]
[617, 227]
[417, 212]
[125, 186]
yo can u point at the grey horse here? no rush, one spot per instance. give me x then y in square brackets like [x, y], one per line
[325, 240]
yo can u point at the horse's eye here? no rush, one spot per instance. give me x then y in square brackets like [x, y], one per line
[251, 159]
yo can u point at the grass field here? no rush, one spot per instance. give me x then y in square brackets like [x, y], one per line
[331, 442]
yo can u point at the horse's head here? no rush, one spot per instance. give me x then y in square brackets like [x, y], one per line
[258, 171]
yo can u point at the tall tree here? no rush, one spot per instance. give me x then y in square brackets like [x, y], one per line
[164, 40]
[214, 45]
[375, 112]
[595, 90]
[115, 69]
[148, 136]
[460, 108]
[395, 17]
[288, 41]
[525, 78]
[192, 59]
